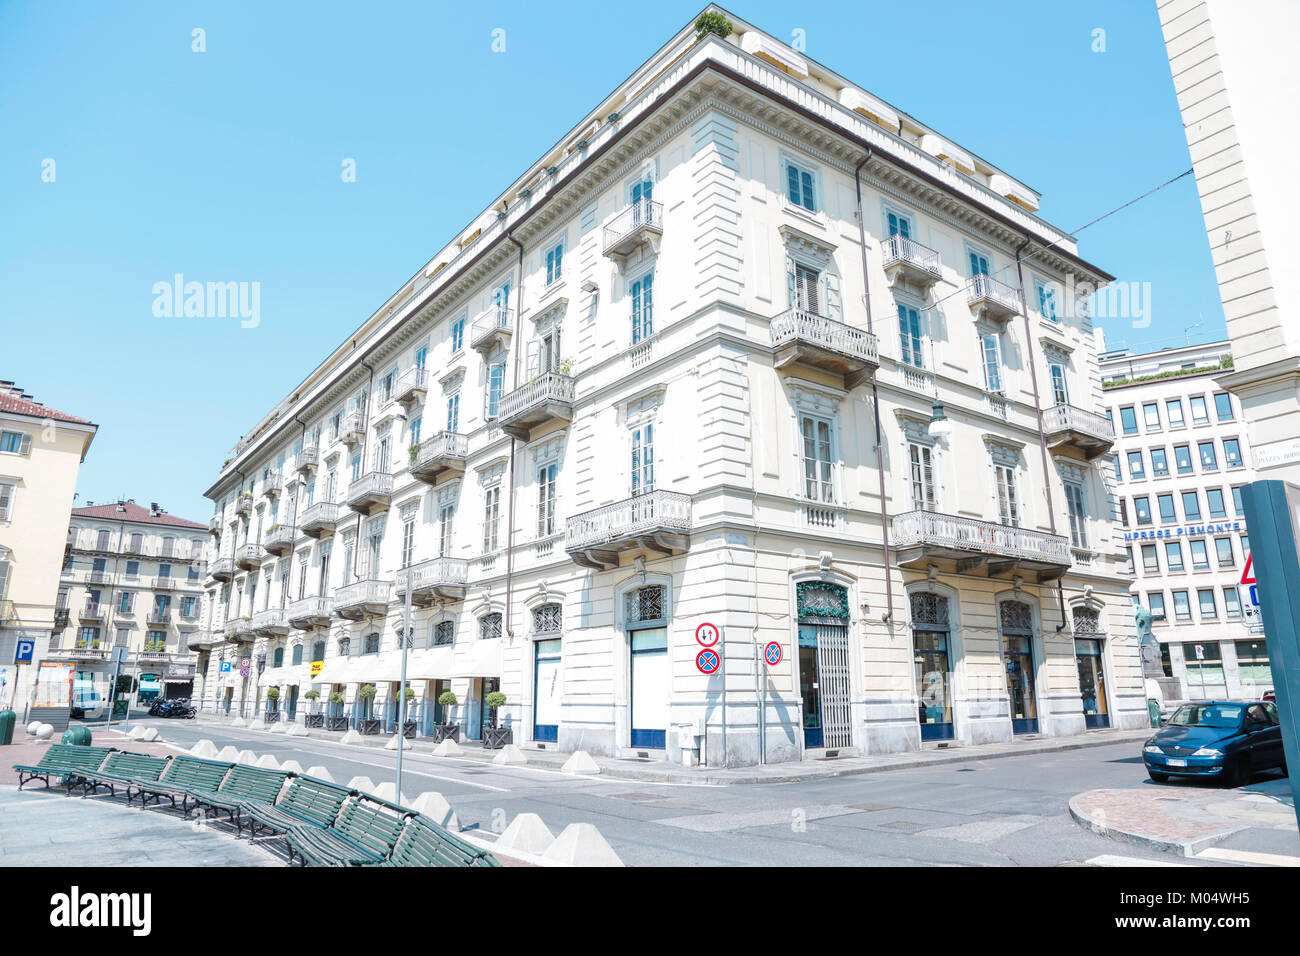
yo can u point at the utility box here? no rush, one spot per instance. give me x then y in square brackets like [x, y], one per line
[7, 720]
[688, 741]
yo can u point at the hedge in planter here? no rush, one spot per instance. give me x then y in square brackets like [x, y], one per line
[367, 723]
[495, 737]
[447, 731]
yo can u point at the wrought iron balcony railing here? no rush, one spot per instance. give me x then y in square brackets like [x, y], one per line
[657, 521]
[906, 257]
[547, 397]
[924, 536]
[641, 222]
[445, 451]
[993, 299]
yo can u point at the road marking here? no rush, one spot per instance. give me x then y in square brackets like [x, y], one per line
[1247, 856]
[1107, 859]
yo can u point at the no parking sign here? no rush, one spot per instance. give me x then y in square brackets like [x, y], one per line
[707, 661]
[772, 653]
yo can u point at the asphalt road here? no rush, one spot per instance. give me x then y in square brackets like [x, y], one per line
[1004, 812]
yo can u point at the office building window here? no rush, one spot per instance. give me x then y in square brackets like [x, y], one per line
[1151, 416]
[1182, 606]
[1209, 462]
[1231, 603]
[1209, 609]
[1214, 503]
[1135, 467]
[1128, 420]
[1156, 605]
[1174, 555]
[1150, 560]
[1142, 507]
[1223, 552]
[1168, 514]
[1159, 463]
[1174, 412]
[1223, 406]
[1191, 506]
[1183, 459]
[1200, 413]
[1232, 453]
[1252, 663]
[1200, 554]
[1238, 507]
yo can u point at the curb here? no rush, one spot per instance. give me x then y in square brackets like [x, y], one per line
[1187, 848]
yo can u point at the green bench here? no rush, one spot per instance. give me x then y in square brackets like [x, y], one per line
[363, 834]
[242, 785]
[64, 761]
[123, 768]
[307, 801]
[183, 777]
[424, 843]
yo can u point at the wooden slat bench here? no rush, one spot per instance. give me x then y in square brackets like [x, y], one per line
[64, 761]
[424, 843]
[123, 769]
[243, 784]
[362, 835]
[307, 801]
[183, 777]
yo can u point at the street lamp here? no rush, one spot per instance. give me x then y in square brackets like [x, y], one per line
[940, 425]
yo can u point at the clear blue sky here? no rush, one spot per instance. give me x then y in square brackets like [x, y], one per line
[225, 166]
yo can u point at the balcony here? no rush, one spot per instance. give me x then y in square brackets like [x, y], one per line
[271, 483]
[320, 519]
[98, 577]
[968, 545]
[411, 386]
[62, 617]
[362, 599]
[371, 492]
[547, 398]
[803, 338]
[352, 430]
[492, 330]
[159, 618]
[657, 523]
[89, 650]
[164, 584]
[249, 557]
[214, 524]
[240, 630]
[640, 224]
[306, 459]
[278, 539]
[205, 639]
[442, 579]
[244, 504]
[992, 299]
[913, 263]
[153, 652]
[308, 613]
[92, 614]
[443, 453]
[222, 569]
[1086, 432]
[271, 622]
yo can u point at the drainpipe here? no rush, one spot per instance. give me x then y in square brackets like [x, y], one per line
[293, 522]
[1038, 414]
[510, 517]
[875, 400]
[365, 435]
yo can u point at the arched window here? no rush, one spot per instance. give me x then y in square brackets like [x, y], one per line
[489, 626]
[278, 660]
[371, 645]
[297, 653]
[318, 651]
[645, 604]
[548, 619]
[442, 634]
[345, 646]
[1087, 622]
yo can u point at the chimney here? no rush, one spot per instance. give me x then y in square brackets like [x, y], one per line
[153, 509]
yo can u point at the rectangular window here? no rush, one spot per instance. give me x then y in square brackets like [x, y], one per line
[7, 490]
[1223, 406]
[1135, 467]
[555, 263]
[1208, 460]
[1046, 300]
[1223, 552]
[453, 412]
[1231, 603]
[356, 466]
[1182, 606]
[1214, 503]
[1238, 506]
[1119, 469]
[1232, 453]
[909, 334]
[12, 442]
[446, 517]
[408, 539]
[546, 500]
[1165, 503]
[127, 603]
[978, 262]
[1200, 555]
[807, 289]
[1008, 497]
[1174, 412]
[1209, 609]
[1060, 394]
[1142, 508]
[992, 361]
[457, 337]
[495, 383]
[1191, 506]
[922, 477]
[898, 224]
[422, 353]
[817, 459]
[1174, 555]
[413, 429]
[1245, 546]
[643, 460]
[1150, 560]
[1253, 666]
[1183, 459]
[643, 308]
[1156, 605]
[1159, 463]
[491, 514]
[1151, 416]
[1128, 420]
[133, 569]
[1200, 414]
[800, 184]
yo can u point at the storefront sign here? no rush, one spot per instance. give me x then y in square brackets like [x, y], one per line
[53, 684]
[316, 667]
[1186, 531]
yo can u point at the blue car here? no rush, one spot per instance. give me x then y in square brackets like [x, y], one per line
[1227, 740]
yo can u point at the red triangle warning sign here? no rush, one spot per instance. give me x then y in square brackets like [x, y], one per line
[1246, 576]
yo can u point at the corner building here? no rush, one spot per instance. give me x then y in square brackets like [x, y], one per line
[661, 381]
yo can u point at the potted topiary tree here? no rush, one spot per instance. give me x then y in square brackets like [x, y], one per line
[272, 704]
[314, 718]
[446, 730]
[367, 723]
[336, 719]
[408, 725]
[494, 737]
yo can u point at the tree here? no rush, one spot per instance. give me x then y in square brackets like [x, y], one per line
[707, 23]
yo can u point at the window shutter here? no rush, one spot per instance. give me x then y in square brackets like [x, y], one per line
[4, 579]
[791, 294]
[26, 448]
[534, 363]
[831, 295]
[6, 501]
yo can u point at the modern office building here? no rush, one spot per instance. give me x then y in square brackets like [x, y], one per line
[41, 451]
[1182, 459]
[132, 578]
[746, 347]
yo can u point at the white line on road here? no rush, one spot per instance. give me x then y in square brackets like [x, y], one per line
[1247, 856]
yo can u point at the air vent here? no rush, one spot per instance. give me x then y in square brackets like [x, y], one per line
[643, 754]
[541, 746]
[832, 753]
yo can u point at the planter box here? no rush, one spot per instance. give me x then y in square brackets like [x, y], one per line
[369, 726]
[272, 716]
[336, 723]
[314, 720]
[494, 738]
[408, 730]
[443, 732]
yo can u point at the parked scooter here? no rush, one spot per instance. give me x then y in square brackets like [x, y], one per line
[171, 708]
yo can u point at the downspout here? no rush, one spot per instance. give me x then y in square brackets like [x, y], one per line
[365, 437]
[875, 400]
[293, 522]
[510, 510]
[1038, 414]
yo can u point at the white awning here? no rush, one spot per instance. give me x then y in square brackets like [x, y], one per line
[877, 110]
[433, 663]
[953, 154]
[338, 670]
[479, 659]
[778, 54]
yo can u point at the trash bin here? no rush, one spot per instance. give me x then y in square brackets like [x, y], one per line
[7, 720]
[1153, 708]
[77, 736]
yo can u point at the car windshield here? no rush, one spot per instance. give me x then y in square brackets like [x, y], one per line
[1207, 715]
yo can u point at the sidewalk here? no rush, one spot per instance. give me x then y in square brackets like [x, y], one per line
[1253, 825]
[660, 771]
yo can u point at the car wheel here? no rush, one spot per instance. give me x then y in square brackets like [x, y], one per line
[1234, 775]
[1157, 776]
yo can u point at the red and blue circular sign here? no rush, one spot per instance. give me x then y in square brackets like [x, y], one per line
[772, 653]
[707, 661]
[707, 634]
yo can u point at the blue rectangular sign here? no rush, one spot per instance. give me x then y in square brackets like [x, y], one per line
[23, 651]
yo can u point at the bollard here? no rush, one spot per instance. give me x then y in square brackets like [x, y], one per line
[77, 736]
[7, 720]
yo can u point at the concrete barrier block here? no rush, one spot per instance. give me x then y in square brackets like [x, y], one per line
[351, 737]
[247, 757]
[204, 748]
[267, 761]
[44, 731]
[279, 727]
[580, 844]
[448, 748]
[388, 791]
[320, 773]
[527, 834]
[291, 766]
[238, 722]
[510, 754]
[580, 762]
[434, 806]
[297, 730]
[364, 784]
[228, 754]
[149, 734]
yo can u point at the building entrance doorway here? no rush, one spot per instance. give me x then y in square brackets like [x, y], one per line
[930, 640]
[1018, 657]
[824, 665]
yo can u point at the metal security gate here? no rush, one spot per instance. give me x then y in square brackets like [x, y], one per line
[833, 676]
[824, 664]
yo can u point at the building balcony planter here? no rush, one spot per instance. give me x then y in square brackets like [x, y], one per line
[278, 539]
[547, 398]
[640, 224]
[970, 546]
[411, 386]
[306, 459]
[443, 454]
[1086, 432]
[991, 299]
[439, 579]
[319, 519]
[249, 557]
[492, 329]
[362, 599]
[655, 523]
[907, 260]
[803, 338]
[494, 738]
[371, 492]
[369, 726]
[222, 569]
[308, 613]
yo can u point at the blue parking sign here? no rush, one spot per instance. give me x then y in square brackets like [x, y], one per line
[24, 650]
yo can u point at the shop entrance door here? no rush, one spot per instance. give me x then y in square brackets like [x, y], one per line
[1092, 682]
[650, 683]
[1018, 657]
[546, 690]
[824, 685]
